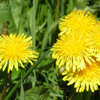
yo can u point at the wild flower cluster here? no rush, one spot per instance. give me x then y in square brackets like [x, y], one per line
[78, 50]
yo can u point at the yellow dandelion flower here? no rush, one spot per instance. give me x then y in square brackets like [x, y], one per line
[96, 40]
[77, 21]
[72, 51]
[86, 78]
[16, 49]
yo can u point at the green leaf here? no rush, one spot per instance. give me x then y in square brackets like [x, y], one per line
[15, 74]
[5, 14]
[45, 39]
[22, 96]
[89, 93]
[37, 93]
[56, 95]
[79, 96]
[33, 78]
[16, 11]
[45, 64]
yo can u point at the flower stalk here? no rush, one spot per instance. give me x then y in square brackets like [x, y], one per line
[5, 86]
[73, 96]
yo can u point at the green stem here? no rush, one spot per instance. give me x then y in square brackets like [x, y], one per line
[62, 7]
[33, 31]
[26, 74]
[73, 96]
[56, 18]
[20, 17]
[57, 10]
[5, 87]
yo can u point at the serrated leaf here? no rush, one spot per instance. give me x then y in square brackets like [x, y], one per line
[37, 93]
[5, 14]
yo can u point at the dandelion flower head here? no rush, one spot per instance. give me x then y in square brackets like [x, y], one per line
[14, 50]
[96, 40]
[86, 78]
[77, 21]
[72, 51]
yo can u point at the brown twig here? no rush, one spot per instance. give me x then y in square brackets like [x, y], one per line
[5, 87]
[73, 96]
[4, 30]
